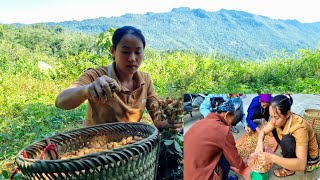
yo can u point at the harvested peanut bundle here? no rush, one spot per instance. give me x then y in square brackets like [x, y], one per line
[94, 148]
[253, 163]
[169, 109]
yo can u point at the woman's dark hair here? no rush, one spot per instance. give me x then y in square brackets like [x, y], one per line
[283, 102]
[120, 32]
[216, 103]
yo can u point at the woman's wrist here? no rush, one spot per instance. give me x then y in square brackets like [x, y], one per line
[272, 157]
[85, 91]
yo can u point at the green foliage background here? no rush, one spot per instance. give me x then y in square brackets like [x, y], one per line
[28, 91]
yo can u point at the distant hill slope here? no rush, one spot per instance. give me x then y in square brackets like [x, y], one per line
[236, 33]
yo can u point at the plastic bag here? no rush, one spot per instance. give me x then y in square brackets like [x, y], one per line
[253, 162]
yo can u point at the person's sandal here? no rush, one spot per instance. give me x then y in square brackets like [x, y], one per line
[282, 172]
[234, 129]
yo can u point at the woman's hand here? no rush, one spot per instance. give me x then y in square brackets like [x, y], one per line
[246, 173]
[248, 129]
[264, 158]
[175, 126]
[102, 88]
[259, 147]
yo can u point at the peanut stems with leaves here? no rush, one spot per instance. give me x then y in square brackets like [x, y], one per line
[171, 147]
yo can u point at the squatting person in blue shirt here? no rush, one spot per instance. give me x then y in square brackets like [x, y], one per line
[258, 109]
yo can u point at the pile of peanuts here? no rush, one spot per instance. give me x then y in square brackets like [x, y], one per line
[248, 145]
[98, 148]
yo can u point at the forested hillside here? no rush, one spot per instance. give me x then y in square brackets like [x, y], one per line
[235, 33]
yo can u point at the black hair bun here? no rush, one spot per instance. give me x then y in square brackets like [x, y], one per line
[216, 101]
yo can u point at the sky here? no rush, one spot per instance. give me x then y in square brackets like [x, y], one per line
[35, 11]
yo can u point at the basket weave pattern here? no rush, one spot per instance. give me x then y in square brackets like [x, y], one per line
[133, 161]
[313, 115]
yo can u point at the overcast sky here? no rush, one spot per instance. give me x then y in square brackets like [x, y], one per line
[33, 11]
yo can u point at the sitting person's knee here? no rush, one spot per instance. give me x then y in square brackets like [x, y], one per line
[237, 118]
[288, 146]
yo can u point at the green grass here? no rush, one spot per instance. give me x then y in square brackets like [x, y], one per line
[27, 94]
[28, 113]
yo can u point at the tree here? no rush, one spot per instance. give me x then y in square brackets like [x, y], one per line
[104, 41]
[1, 31]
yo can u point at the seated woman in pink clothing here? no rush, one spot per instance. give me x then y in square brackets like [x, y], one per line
[209, 146]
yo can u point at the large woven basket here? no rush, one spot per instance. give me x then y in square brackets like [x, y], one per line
[133, 161]
[313, 117]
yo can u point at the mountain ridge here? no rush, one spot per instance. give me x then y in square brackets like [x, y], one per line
[235, 33]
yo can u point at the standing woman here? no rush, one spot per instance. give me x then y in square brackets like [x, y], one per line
[118, 92]
[297, 139]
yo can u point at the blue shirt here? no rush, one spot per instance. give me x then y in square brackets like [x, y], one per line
[205, 107]
[254, 105]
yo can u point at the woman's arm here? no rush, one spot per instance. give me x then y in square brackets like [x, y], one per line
[232, 155]
[293, 164]
[72, 97]
[267, 129]
[99, 90]
[153, 107]
[252, 107]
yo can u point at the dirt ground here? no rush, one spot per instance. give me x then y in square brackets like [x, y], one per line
[300, 103]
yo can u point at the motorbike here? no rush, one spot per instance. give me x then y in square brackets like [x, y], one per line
[191, 101]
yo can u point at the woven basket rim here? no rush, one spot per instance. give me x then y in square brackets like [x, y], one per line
[313, 117]
[312, 113]
[312, 109]
[91, 155]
